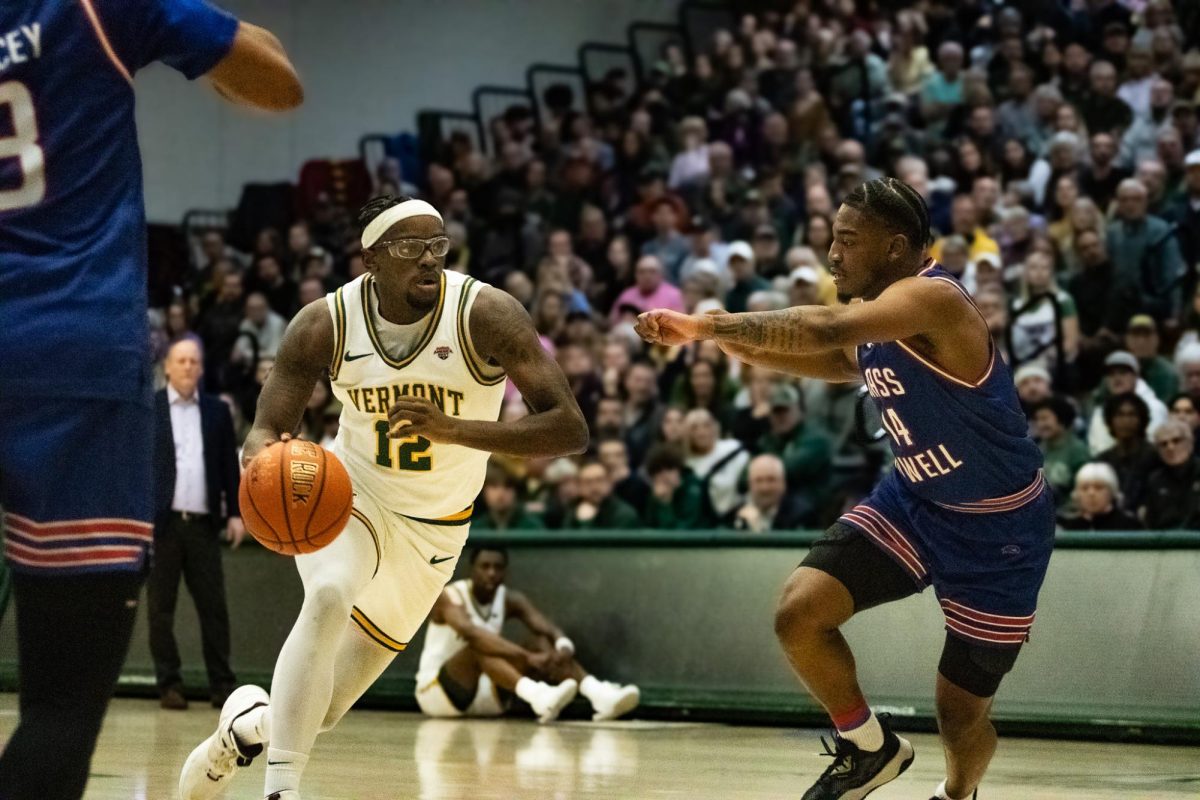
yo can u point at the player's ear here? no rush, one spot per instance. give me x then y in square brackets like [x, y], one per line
[370, 260]
[897, 244]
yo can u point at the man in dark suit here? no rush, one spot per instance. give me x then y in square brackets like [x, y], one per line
[196, 496]
[770, 506]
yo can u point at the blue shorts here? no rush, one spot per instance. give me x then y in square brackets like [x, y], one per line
[76, 484]
[986, 568]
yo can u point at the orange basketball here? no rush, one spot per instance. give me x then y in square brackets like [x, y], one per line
[295, 497]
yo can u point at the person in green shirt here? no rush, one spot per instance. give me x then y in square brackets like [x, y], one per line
[1141, 339]
[676, 501]
[596, 507]
[1064, 452]
[501, 510]
[746, 280]
[804, 448]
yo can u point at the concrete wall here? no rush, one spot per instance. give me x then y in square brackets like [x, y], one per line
[368, 66]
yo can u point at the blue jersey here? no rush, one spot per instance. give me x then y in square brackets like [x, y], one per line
[963, 445]
[72, 219]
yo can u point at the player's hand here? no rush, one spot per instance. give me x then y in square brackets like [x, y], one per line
[540, 661]
[235, 532]
[260, 439]
[662, 326]
[416, 416]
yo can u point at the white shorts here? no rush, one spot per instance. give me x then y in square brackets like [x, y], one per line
[413, 561]
[434, 702]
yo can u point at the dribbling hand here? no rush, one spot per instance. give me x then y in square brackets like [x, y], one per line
[662, 326]
[259, 440]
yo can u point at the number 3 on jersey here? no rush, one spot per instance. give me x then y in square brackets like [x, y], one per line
[22, 145]
[891, 421]
[413, 454]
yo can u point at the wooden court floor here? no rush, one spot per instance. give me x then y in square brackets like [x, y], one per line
[380, 755]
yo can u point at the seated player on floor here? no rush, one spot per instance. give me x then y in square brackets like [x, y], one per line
[469, 669]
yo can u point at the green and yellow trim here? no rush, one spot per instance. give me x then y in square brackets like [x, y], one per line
[339, 333]
[461, 518]
[372, 630]
[477, 369]
[361, 517]
[426, 337]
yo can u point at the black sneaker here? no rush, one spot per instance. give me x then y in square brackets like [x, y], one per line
[856, 773]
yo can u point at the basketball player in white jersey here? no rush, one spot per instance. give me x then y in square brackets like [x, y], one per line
[469, 670]
[418, 357]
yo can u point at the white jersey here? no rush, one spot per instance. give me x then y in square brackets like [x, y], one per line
[413, 477]
[442, 642]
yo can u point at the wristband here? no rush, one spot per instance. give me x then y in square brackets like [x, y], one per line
[565, 645]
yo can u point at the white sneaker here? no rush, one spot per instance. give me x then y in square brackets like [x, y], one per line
[613, 700]
[551, 700]
[209, 768]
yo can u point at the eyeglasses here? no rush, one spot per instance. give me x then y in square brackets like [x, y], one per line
[413, 248]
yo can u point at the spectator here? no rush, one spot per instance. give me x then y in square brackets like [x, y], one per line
[1033, 387]
[1185, 213]
[640, 413]
[1137, 88]
[1102, 110]
[676, 497]
[311, 290]
[943, 89]
[804, 449]
[691, 165]
[716, 462]
[597, 507]
[752, 420]
[1097, 501]
[501, 509]
[1141, 339]
[1183, 408]
[746, 280]
[1064, 452]
[1122, 376]
[650, 290]
[1144, 248]
[965, 220]
[627, 484]
[1172, 494]
[1044, 323]
[1101, 180]
[703, 386]
[669, 246]
[769, 505]
[1128, 418]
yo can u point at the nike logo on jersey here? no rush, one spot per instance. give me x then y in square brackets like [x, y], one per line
[442, 559]
[355, 358]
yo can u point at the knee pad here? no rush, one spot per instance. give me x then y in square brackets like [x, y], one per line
[975, 668]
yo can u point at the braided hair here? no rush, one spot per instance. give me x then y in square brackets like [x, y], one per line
[376, 206]
[896, 205]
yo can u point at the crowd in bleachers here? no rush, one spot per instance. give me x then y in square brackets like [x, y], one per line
[1056, 145]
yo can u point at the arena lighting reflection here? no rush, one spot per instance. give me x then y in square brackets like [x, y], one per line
[551, 761]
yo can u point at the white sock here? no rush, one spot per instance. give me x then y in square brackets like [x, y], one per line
[284, 769]
[868, 736]
[253, 727]
[942, 794]
[588, 685]
[528, 689]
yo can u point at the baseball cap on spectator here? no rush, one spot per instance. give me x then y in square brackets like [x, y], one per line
[806, 274]
[1032, 370]
[741, 249]
[706, 266]
[560, 469]
[1141, 322]
[784, 395]
[1193, 159]
[1122, 359]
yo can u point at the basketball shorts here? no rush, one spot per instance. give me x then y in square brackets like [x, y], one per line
[76, 484]
[444, 697]
[414, 560]
[986, 568]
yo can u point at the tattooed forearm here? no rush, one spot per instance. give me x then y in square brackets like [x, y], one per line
[804, 329]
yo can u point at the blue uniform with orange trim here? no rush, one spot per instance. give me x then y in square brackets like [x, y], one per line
[966, 507]
[76, 431]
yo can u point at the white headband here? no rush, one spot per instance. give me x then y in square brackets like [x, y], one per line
[390, 216]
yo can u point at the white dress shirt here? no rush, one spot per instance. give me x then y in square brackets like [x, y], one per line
[191, 489]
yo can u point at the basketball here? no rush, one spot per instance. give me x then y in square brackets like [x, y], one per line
[295, 497]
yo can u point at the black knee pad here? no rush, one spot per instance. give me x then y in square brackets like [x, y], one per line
[974, 667]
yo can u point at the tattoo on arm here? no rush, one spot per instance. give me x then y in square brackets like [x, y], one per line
[804, 329]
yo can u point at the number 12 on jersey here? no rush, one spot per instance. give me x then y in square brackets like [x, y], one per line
[413, 453]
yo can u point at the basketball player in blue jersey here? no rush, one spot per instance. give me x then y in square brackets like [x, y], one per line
[76, 420]
[965, 509]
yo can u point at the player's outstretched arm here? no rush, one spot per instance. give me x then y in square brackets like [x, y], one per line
[504, 334]
[909, 307]
[834, 366]
[478, 638]
[256, 72]
[304, 353]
